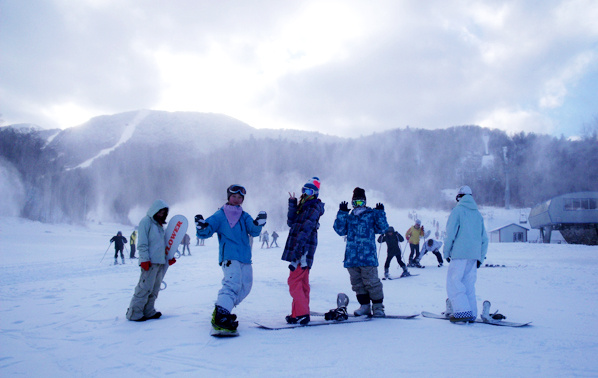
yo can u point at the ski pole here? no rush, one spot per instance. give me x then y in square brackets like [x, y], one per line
[105, 252]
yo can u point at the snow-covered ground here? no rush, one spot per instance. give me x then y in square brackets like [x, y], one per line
[62, 312]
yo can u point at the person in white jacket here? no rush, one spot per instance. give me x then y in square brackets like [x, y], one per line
[433, 246]
[465, 248]
[152, 260]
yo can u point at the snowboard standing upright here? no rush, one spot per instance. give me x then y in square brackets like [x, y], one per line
[175, 231]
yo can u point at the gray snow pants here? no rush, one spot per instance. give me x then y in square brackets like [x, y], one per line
[236, 284]
[364, 280]
[146, 292]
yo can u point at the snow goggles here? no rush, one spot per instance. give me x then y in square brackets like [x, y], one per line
[357, 203]
[308, 191]
[236, 189]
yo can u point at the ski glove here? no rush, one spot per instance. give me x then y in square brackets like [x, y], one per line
[200, 223]
[145, 265]
[344, 206]
[171, 261]
[379, 206]
[260, 220]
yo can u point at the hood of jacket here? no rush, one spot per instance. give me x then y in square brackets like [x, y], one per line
[155, 207]
[468, 202]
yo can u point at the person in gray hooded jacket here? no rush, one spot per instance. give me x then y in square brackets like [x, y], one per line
[152, 260]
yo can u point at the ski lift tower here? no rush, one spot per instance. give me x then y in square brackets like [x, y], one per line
[507, 187]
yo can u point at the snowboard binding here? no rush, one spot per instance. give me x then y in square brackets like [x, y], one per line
[340, 312]
[486, 316]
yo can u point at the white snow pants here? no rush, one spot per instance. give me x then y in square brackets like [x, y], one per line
[236, 284]
[460, 286]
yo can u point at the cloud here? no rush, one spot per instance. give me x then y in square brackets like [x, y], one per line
[340, 67]
[517, 120]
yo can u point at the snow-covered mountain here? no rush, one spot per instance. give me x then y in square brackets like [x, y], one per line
[112, 166]
[196, 133]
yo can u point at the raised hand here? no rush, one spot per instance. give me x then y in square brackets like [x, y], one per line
[344, 206]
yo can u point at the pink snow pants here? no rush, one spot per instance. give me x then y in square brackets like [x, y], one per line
[299, 289]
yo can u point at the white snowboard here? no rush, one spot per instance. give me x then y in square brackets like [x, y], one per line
[176, 230]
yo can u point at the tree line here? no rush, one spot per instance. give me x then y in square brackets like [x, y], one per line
[409, 167]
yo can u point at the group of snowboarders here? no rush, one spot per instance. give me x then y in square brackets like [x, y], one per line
[465, 245]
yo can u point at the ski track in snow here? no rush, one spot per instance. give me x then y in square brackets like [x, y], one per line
[126, 135]
[62, 313]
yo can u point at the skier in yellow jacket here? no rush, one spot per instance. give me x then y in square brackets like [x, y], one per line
[413, 234]
[133, 244]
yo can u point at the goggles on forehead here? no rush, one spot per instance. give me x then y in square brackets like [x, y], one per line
[308, 191]
[236, 189]
[359, 202]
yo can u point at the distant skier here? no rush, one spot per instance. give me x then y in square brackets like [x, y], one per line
[132, 244]
[119, 244]
[433, 246]
[274, 238]
[185, 242]
[413, 234]
[264, 239]
[233, 226]
[152, 261]
[361, 260]
[392, 239]
[303, 219]
[465, 249]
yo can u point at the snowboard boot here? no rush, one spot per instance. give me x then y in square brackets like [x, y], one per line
[303, 319]
[462, 317]
[223, 320]
[365, 309]
[449, 309]
[378, 310]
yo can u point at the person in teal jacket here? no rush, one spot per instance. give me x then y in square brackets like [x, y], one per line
[360, 226]
[465, 248]
[233, 226]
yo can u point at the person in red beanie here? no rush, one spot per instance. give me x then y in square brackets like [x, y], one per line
[303, 219]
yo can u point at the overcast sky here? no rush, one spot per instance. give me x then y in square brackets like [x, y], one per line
[344, 67]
